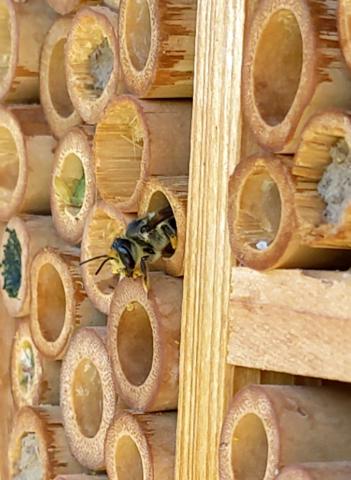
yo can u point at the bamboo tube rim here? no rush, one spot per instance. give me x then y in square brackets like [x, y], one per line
[67, 6]
[7, 78]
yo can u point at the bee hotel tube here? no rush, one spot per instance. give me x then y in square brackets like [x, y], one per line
[88, 397]
[38, 446]
[67, 6]
[34, 379]
[59, 304]
[135, 139]
[142, 447]
[81, 476]
[292, 68]
[344, 12]
[157, 47]
[269, 426]
[316, 471]
[112, 4]
[143, 342]
[161, 192]
[26, 157]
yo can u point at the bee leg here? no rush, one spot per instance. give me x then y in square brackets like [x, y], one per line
[145, 271]
[171, 233]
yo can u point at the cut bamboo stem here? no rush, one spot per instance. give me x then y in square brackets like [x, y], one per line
[161, 192]
[23, 238]
[114, 4]
[92, 61]
[81, 476]
[104, 223]
[143, 342]
[262, 217]
[26, 157]
[59, 304]
[157, 47]
[142, 447]
[73, 188]
[135, 139]
[316, 471]
[344, 12]
[268, 427]
[23, 27]
[34, 379]
[292, 68]
[38, 446]
[67, 6]
[54, 97]
[88, 397]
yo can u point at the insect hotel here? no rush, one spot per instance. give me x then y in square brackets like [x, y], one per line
[175, 239]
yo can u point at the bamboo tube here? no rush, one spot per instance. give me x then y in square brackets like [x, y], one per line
[23, 237]
[143, 341]
[316, 471]
[104, 223]
[292, 68]
[344, 12]
[38, 447]
[73, 185]
[142, 447]
[92, 61]
[23, 27]
[157, 47]
[59, 304]
[67, 6]
[268, 427]
[81, 476]
[54, 97]
[112, 4]
[88, 397]
[34, 379]
[135, 139]
[26, 156]
[262, 217]
[161, 192]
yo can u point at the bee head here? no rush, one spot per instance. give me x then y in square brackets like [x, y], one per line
[122, 259]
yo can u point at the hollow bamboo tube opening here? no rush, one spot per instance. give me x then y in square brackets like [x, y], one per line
[143, 341]
[292, 68]
[270, 426]
[67, 6]
[159, 193]
[141, 447]
[135, 139]
[73, 184]
[87, 396]
[157, 47]
[92, 64]
[54, 97]
[26, 156]
[316, 471]
[59, 303]
[38, 447]
[34, 379]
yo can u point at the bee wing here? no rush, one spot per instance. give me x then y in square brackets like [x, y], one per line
[160, 216]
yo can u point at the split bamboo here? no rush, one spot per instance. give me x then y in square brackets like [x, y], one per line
[56, 103]
[157, 47]
[135, 139]
[103, 224]
[59, 304]
[23, 27]
[88, 397]
[34, 379]
[143, 342]
[316, 471]
[73, 188]
[141, 447]
[26, 157]
[292, 68]
[67, 6]
[162, 192]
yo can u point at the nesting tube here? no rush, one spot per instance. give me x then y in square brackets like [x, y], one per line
[262, 218]
[157, 47]
[142, 447]
[68, 6]
[92, 61]
[104, 223]
[22, 239]
[38, 447]
[159, 193]
[112, 4]
[316, 471]
[269, 426]
[81, 476]
[143, 342]
[23, 27]
[34, 379]
[292, 68]
[344, 12]
[73, 188]
[59, 304]
[54, 97]
[88, 397]
[135, 139]
[26, 157]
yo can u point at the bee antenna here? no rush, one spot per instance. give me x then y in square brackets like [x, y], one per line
[102, 264]
[94, 258]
